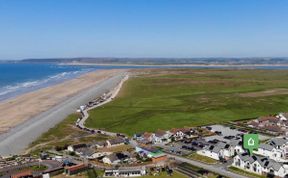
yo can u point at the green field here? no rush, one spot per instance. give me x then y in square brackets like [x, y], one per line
[163, 99]
[63, 134]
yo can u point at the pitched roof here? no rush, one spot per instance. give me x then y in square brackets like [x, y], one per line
[265, 146]
[83, 145]
[76, 167]
[113, 157]
[268, 118]
[278, 141]
[184, 130]
[273, 128]
[263, 161]
[116, 141]
[160, 133]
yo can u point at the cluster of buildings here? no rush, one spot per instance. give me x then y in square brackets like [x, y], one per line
[89, 151]
[270, 159]
[276, 125]
[16, 160]
[165, 137]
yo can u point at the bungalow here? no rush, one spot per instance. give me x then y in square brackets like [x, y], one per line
[111, 159]
[100, 154]
[75, 169]
[116, 158]
[180, 133]
[85, 152]
[100, 144]
[25, 173]
[73, 148]
[161, 136]
[155, 154]
[260, 165]
[115, 142]
[125, 172]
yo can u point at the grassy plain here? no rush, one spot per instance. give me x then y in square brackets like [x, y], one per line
[201, 158]
[163, 99]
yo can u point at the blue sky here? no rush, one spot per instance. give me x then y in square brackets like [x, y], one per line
[143, 28]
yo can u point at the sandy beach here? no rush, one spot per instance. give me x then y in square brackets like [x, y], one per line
[26, 117]
[21, 108]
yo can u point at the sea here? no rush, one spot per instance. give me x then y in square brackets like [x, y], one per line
[19, 78]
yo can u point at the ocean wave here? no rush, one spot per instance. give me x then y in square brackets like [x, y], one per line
[27, 86]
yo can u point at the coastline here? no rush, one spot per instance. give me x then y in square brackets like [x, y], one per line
[175, 65]
[29, 115]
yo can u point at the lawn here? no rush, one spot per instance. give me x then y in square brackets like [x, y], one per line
[164, 175]
[244, 173]
[201, 158]
[163, 99]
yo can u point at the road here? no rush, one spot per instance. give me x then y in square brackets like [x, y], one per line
[213, 168]
[17, 139]
[113, 93]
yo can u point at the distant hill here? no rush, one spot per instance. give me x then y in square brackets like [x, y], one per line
[166, 61]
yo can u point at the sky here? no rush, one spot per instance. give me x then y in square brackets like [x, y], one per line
[143, 28]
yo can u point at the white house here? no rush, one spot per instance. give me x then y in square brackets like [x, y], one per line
[75, 147]
[270, 152]
[161, 136]
[275, 149]
[180, 133]
[260, 165]
[218, 151]
[111, 159]
[100, 154]
[222, 150]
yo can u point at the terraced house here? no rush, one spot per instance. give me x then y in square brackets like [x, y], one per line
[260, 165]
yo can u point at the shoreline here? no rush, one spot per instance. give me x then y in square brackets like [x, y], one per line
[174, 65]
[20, 131]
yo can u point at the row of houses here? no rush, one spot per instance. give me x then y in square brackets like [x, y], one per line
[164, 137]
[274, 124]
[275, 148]
[260, 165]
[89, 151]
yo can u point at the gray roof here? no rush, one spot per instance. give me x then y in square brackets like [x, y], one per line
[235, 142]
[263, 161]
[265, 146]
[278, 141]
[116, 141]
[218, 146]
[113, 157]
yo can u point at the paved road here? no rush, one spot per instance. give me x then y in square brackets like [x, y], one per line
[17, 139]
[212, 168]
